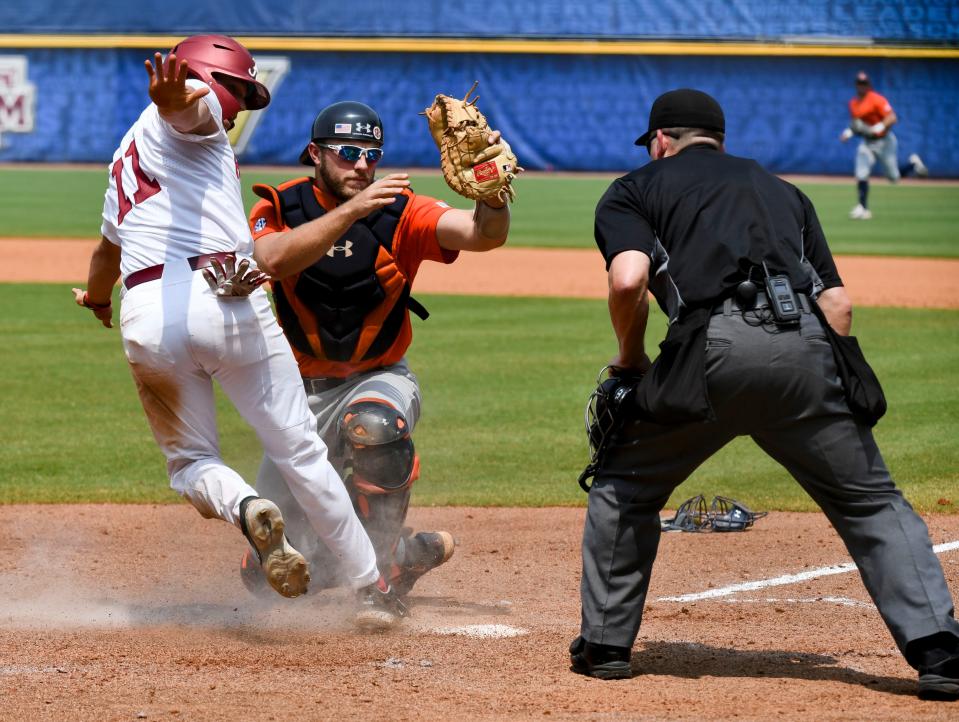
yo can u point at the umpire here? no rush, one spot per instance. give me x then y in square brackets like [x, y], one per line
[702, 231]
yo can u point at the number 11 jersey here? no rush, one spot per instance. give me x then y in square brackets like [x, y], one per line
[174, 195]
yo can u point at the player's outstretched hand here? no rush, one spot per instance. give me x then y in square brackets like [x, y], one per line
[378, 194]
[168, 88]
[232, 279]
[103, 312]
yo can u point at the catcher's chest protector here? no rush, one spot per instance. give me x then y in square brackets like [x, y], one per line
[351, 304]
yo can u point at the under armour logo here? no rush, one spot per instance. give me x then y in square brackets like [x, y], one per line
[252, 70]
[364, 128]
[344, 248]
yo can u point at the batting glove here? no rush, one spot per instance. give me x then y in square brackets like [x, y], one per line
[233, 280]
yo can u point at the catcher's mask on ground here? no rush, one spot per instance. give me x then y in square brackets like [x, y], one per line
[723, 514]
[214, 57]
[346, 120]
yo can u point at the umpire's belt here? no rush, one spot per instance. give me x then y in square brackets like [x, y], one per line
[152, 273]
[730, 305]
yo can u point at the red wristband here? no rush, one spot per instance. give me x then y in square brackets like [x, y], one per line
[95, 306]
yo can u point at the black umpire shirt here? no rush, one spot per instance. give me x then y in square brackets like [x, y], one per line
[708, 220]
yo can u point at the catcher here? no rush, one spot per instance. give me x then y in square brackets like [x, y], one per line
[343, 248]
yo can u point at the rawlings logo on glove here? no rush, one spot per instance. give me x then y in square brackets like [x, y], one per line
[472, 166]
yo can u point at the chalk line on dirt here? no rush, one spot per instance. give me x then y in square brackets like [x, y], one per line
[482, 631]
[783, 580]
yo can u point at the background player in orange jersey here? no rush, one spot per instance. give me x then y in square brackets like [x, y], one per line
[872, 118]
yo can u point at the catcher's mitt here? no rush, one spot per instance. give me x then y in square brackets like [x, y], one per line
[471, 166]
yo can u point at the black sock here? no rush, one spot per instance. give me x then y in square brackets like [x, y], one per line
[243, 505]
[863, 187]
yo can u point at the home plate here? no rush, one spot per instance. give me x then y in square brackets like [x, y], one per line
[483, 631]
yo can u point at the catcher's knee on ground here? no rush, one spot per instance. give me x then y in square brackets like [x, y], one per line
[384, 467]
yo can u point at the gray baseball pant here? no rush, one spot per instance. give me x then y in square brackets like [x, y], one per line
[780, 387]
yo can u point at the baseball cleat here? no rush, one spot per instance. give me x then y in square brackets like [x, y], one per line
[601, 661]
[425, 551]
[918, 166]
[380, 609]
[860, 213]
[252, 575]
[283, 566]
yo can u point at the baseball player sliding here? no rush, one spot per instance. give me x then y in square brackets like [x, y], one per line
[173, 207]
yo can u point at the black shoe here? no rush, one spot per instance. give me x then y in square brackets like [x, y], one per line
[379, 609]
[424, 552]
[599, 660]
[940, 681]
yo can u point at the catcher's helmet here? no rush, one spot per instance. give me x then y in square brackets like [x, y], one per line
[210, 56]
[347, 119]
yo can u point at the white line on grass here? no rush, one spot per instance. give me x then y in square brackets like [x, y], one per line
[783, 580]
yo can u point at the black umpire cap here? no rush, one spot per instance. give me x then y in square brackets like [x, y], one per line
[684, 108]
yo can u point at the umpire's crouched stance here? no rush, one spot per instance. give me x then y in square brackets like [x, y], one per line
[692, 227]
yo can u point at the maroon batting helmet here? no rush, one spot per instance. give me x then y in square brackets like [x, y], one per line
[210, 56]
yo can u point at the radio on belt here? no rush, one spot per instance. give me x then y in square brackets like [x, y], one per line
[782, 299]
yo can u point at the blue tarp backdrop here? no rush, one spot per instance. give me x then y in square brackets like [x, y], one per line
[896, 20]
[563, 112]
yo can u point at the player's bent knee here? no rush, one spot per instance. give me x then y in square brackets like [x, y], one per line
[384, 460]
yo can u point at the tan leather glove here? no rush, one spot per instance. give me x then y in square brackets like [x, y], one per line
[472, 166]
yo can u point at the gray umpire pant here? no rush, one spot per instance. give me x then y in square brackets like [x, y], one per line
[779, 386]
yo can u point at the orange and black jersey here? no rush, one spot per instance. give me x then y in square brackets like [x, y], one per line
[348, 312]
[870, 109]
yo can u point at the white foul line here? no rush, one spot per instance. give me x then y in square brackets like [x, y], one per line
[785, 579]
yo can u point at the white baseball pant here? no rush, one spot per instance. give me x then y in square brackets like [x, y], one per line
[178, 336]
[885, 150]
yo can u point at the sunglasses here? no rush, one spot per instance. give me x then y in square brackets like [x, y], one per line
[352, 153]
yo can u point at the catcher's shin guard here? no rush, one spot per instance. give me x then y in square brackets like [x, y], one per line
[384, 467]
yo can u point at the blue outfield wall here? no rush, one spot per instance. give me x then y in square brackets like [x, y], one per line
[561, 112]
[922, 21]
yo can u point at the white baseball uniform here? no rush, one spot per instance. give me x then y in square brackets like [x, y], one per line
[173, 196]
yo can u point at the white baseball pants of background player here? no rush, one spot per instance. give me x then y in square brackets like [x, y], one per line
[178, 336]
[885, 150]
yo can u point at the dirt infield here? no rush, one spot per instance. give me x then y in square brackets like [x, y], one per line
[871, 281]
[137, 612]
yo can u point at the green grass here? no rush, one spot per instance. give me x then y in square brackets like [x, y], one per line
[551, 211]
[504, 384]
